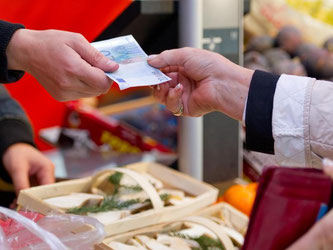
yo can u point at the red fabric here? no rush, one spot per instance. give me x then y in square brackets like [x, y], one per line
[87, 17]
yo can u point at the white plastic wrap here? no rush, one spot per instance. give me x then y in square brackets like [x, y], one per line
[56, 231]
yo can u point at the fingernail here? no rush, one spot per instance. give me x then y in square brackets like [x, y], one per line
[178, 86]
[151, 57]
[158, 87]
[111, 63]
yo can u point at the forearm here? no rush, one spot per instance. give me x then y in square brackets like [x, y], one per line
[7, 30]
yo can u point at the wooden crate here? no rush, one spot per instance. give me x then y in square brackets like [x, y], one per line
[171, 226]
[238, 220]
[204, 195]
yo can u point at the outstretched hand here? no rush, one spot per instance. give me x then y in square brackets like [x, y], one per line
[65, 63]
[202, 82]
[25, 164]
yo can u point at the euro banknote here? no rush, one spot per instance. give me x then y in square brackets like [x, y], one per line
[134, 71]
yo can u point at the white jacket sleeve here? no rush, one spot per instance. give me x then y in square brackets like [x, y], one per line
[301, 121]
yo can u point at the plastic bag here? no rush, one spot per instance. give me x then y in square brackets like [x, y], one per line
[55, 231]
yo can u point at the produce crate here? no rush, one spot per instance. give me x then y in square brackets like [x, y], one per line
[211, 218]
[203, 195]
[232, 216]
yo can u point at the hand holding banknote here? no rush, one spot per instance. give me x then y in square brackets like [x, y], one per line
[134, 70]
[202, 82]
[65, 63]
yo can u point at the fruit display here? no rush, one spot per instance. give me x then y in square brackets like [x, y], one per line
[241, 197]
[289, 39]
[319, 9]
[288, 53]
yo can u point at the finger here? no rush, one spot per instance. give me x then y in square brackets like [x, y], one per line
[328, 167]
[161, 92]
[45, 174]
[174, 79]
[171, 69]
[174, 57]
[94, 78]
[92, 55]
[20, 176]
[173, 100]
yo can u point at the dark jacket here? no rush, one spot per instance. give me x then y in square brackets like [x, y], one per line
[14, 124]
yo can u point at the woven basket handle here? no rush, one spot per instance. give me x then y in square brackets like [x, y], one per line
[215, 228]
[140, 180]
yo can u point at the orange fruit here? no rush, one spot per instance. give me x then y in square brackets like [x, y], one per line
[241, 196]
[220, 199]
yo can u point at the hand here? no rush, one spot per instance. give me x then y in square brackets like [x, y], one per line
[24, 163]
[208, 82]
[65, 63]
[320, 235]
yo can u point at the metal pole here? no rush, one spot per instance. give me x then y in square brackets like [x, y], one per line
[190, 135]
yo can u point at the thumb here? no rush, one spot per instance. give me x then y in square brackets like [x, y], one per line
[93, 56]
[328, 167]
[174, 57]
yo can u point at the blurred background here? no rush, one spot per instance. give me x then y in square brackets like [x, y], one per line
[121, 127]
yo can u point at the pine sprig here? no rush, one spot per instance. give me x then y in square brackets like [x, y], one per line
[114, 202]
[110, 204]
[116, 178]
[205, 242]
[106, 205]
[133, 188]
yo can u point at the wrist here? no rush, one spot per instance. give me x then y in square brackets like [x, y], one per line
[15, 50]
[233, 91]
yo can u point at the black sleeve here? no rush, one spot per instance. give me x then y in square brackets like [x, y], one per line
[259, 108]
[14, 125]
[6, 32]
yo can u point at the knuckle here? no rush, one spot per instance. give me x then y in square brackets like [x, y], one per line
[165, 52]
[96, 57]
[188, 50]
[78, 36]
[70, 66]
[65, 84]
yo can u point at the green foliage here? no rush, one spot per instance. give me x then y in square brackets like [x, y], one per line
[116, 178]
[165, 197]
[113, 202]
[134, 188]
[205, 242]
[108, 204]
